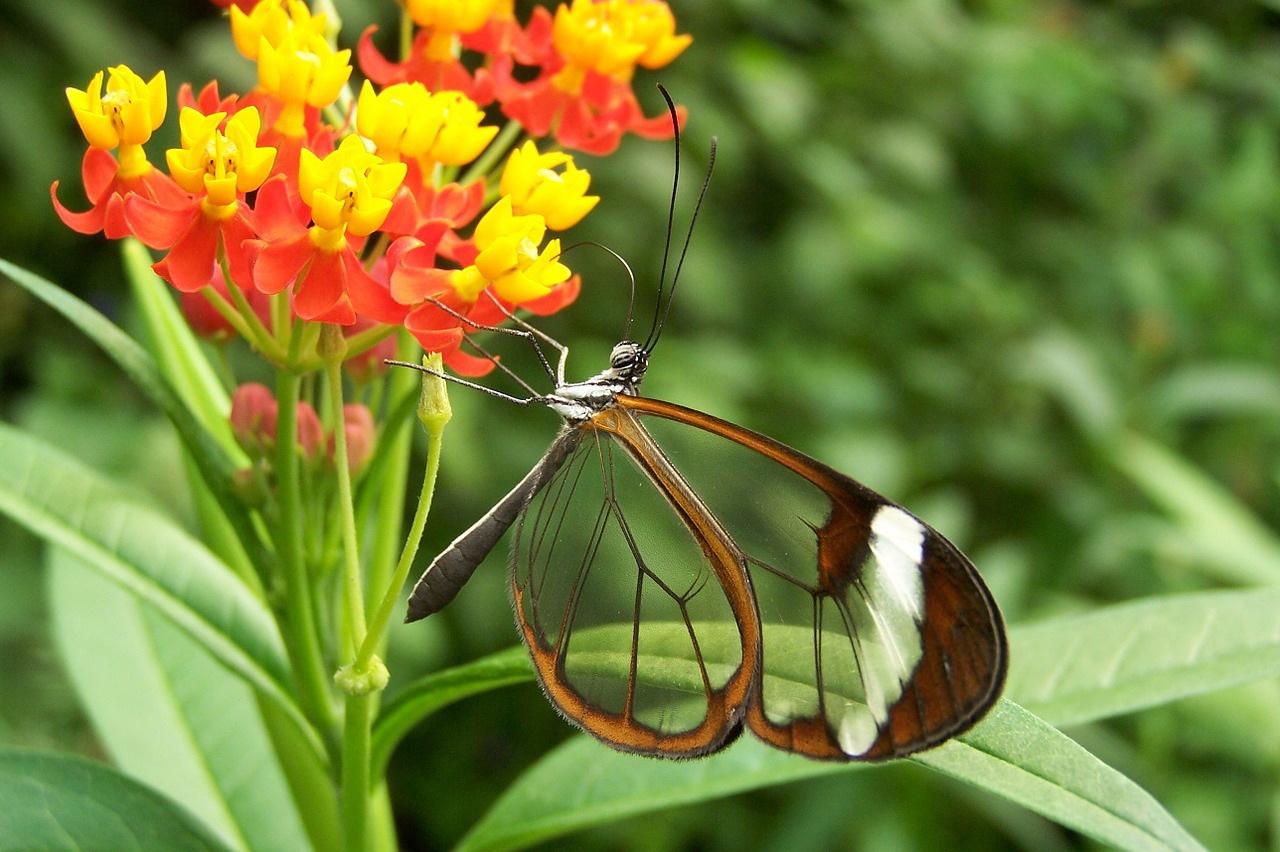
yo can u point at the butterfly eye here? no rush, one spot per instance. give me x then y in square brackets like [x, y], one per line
[625, 356]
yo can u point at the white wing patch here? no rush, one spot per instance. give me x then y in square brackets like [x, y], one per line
[888, 645]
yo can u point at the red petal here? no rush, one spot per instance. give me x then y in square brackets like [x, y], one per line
[98, 171]
[374, 65]
[320, 287]
[466, 364]
[237, 231]
[88, 222]
[158, 226]
[370, 298]
[192, 262]
[278, 264]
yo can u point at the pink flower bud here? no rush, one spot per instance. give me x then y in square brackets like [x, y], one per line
[253, 417]
[310, 432]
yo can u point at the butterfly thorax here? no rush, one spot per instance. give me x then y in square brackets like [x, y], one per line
[578, 401]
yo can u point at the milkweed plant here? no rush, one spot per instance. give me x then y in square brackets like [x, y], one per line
[352, 207]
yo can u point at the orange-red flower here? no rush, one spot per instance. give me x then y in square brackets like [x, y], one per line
[124, 117]
[587, 55]
[503, 259]
[347, 193]
[212, 223]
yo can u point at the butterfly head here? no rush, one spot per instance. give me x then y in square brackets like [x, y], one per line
[627, 365]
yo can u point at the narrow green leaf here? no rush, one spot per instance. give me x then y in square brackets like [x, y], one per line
[176, 350]
[427, 695]
[60, 802]
[1012, 754]
[168, 713]
[1022, 758]
[134, 546]
[215, 466]
[1228, 539]
[1127, 657]
[181, 358]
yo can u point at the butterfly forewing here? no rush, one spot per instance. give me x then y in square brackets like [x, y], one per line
[629, 626]
[878, 638]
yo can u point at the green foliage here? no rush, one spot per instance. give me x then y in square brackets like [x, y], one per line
[1013, 263]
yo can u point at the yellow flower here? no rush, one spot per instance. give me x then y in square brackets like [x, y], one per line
[509, 258]
[221, 166]
[301, 70]
[447, 18]
[612, 37]
[350, 190]
[405, 121]
[124, 117]
[271, 21]
[534, 185]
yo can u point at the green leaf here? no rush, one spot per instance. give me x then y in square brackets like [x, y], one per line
[1022, 758]
[1127, 657]
[60, 802]
[215, 466]
[1012, 754]
[144, 552]
[177, 352]
[426, 695]
[1227, 538]
[167, 713]
[181, 359]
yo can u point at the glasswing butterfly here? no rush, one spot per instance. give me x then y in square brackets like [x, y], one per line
[677, 578]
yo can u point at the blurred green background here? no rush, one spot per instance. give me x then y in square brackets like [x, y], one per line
[962, 251]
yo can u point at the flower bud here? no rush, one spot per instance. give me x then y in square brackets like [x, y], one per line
[253, 418]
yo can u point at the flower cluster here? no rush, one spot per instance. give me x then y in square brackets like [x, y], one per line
[402, 207]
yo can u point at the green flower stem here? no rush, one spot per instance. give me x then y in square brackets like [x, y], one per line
[434, 412]
[300, 632]
[496, 150]
[228, 312]
[389, 469]
[355, 771]
[363, 341]
[258, 335]
[333, 347]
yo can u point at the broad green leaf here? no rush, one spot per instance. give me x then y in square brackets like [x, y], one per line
[61, 802]
[1130, 656]
[427, 695]
[144, 552]
[215, 466]
[1228, 539]
[1012, 754]
[1071, 669]
[168, 713]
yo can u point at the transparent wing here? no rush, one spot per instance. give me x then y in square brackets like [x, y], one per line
[878, 637]
[623, 607]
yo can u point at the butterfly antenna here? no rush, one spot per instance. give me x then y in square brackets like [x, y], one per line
[662, 308]
[631, 277]
[671, 216]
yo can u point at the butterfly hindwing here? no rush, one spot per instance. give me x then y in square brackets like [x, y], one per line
[876, 636]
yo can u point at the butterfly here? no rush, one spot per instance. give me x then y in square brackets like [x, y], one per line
[678, 578]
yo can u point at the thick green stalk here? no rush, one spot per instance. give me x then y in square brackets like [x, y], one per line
[355, 772]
